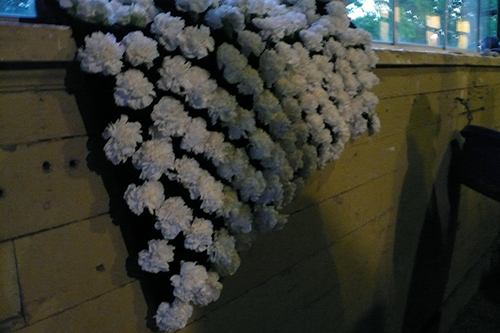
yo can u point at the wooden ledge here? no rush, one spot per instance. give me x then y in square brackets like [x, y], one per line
[35, 42]
[401, 57]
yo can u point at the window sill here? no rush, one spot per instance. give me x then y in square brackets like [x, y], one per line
[401, 57]
[21, 42]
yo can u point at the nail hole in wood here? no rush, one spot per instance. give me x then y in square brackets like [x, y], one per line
[73, 163]
[46, 166]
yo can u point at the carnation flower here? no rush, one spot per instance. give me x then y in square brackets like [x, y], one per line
[196, 6]
[170, 118]
[196, 136]
[140, 17]
[133, 90]
[156, 258]
[149, 195]
[225, 16]
[94, 11]
[66, 4]
[195, 285]
[232, 62]
[265, 218]
[199, 235]
[172, 317]
[196, 42]
[250, 43]
[222, 253]
[140, 49]
[167, 29]
[277, 27]
[271, 66]
[123, 137]
[173, 217]
[154, 158]
[311, 39]
[172, 74]
[101, 54]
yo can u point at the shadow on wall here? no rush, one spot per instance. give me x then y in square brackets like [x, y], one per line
[287, 282]
[93, 94]
[426, 224]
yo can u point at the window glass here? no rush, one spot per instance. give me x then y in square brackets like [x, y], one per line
[374, 16]
[462, 23]
[450, 24]
[420, 22]
[489, 25]
[18, 8]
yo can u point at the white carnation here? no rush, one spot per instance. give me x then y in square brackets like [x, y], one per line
[232, 62]
[196, 136]
[196, 42]
[199, 235]
[250, 83]
[170, 118]
[271, 66]
[265, 218]
[133, 90]
[172, 72]
[312, 40]
[222, 253]
[94, 11]
[173, 217]
[157, 257]
[167, 29]
[140, 49]
[196, 6]
[140, 16]
[227, 16]
[154, 158]
[195, 285]
[149, 195]
[172, 317]
[250, 43]
[123, 137]
[101, 54]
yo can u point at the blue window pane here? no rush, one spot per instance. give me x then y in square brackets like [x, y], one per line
[18, 8]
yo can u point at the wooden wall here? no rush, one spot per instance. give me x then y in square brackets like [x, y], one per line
[383, 240]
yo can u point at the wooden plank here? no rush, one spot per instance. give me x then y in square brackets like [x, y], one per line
[121, 310]
[477, 229]
[421, 149]
[31, 116]
[485, 76]
[32, 79]
[47, 184]
[399, 114]
[396, 82]
[66, 266]
[357, 165]
[462, 294]
[401, 57]
[36, 42]
[10, 297]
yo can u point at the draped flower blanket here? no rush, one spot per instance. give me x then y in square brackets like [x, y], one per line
[244, 100]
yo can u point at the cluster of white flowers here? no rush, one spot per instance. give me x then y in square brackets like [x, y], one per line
[108, 12]
[245, 104]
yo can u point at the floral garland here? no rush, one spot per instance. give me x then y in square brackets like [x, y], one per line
[246, 99]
